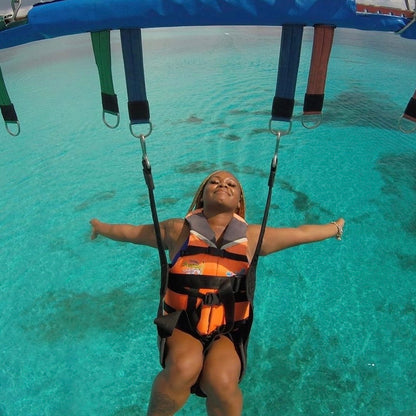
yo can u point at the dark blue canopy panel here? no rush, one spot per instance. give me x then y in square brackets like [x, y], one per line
[65, 17]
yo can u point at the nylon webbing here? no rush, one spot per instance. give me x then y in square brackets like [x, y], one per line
[131, 42]
[290, 47]
[102, 53]
[251, 276]
[7, 108]
[410, 111]
[147, 172]
[410, 115]
[321, 50]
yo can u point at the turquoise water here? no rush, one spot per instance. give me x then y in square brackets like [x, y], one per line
[335, 324]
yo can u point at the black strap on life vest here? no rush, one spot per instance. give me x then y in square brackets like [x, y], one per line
[180, 282]
[213, 251]
[228, 292]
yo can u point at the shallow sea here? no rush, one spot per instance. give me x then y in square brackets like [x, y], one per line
[335, 326]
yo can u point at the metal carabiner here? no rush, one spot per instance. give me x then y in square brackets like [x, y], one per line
[280, 132]
[16, 4]
[141, 134]
[403, 130]
[145, 159]
[276, 150]
[14, 134]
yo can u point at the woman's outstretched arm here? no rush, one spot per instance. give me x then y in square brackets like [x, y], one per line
[276, 239]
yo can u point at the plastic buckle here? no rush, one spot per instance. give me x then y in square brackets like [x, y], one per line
[211, 299]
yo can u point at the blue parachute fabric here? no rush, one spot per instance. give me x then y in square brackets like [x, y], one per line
[66, 17]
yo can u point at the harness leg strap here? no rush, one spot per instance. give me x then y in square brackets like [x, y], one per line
[167, 323]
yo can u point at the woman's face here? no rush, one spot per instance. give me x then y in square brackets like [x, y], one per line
[222, 189]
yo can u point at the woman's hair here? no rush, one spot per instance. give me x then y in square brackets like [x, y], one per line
[198, 203]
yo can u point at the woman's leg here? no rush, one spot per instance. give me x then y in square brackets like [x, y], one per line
[183, 365]
[220, 377]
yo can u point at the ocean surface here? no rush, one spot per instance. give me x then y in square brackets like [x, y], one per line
[335, 324]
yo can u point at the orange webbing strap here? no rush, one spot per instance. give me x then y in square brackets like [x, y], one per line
[322, 45]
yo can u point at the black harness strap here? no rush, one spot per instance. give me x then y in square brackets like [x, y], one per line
[147, 172]
[136, 89]
[227, 289]
[225, 296]
[180, 282]
[251, 275]
[212, 251]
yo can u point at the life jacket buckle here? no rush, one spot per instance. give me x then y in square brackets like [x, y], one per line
[211, 299]
[238, 282]
[214, 251]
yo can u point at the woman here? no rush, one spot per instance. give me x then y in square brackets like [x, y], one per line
[207, 312]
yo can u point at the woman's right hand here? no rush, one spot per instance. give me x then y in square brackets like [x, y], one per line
[94, 231]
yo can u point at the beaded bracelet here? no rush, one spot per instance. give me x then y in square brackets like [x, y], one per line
[340, 231]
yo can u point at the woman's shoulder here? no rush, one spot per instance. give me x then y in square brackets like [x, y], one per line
[174, 227]
[176, 231]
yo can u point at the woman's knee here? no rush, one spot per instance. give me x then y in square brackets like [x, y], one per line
[221, 373]
[186, 367]
[184, 359]
[219, 382]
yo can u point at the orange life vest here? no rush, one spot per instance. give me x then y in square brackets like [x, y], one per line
[207, 281]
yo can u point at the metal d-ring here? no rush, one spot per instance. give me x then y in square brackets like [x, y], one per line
[279, 132]
[14, 134]
[138, 136]
[317, 123]
[111, 126]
